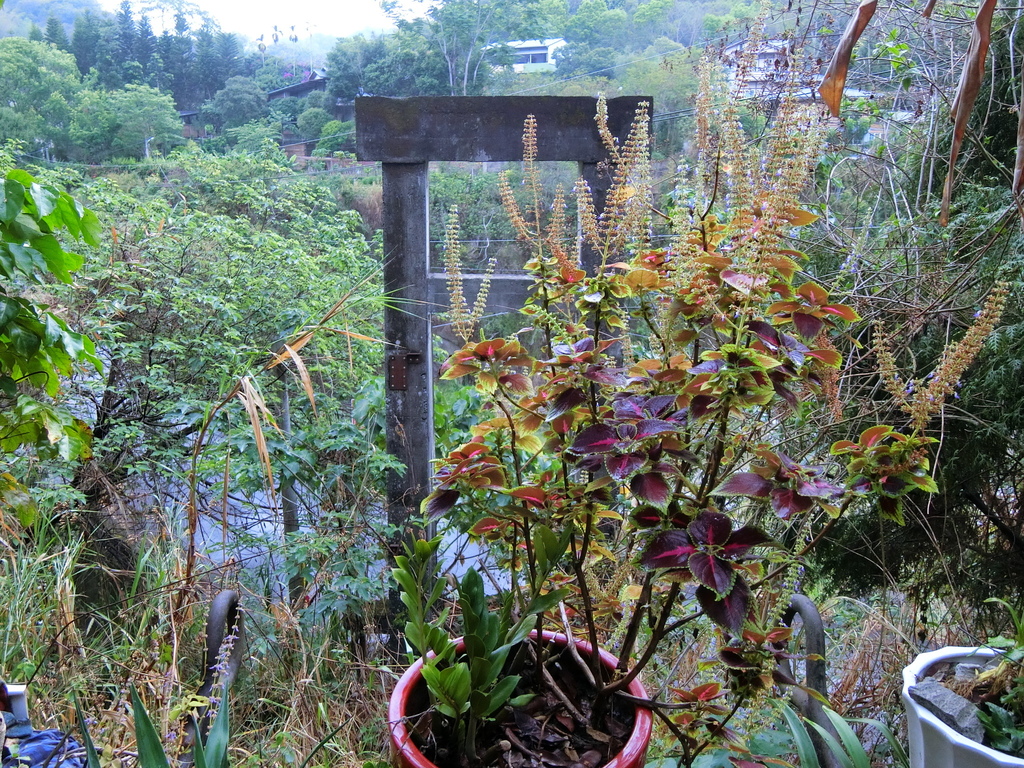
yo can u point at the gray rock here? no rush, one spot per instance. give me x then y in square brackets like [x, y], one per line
[951, 708]
[966, 670]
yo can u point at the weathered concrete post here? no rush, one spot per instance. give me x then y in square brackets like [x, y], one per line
[409, 391]
[405, 135]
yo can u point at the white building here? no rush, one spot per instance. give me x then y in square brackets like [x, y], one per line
[535, 55]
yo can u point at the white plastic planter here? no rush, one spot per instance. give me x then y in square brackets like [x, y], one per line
[933, 744]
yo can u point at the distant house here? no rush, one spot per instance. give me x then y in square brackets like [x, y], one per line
[316, 80]
[535, 55]
[191, 127]
[768, 66]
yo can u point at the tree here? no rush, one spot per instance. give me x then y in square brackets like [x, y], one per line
[348, 61]
[468, 32]
[41, 84]
[238, 102]
[596, 24]
[311, 122]
[37, 347]
[120, 123]
[85, 39]
[145, 51]
[336, 136]
[409, 66]
[56, 34]
[125, 43]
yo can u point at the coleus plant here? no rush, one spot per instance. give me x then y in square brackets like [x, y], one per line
[654, 410]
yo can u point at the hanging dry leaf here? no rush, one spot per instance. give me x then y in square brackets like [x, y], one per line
[254, 405]
[967, 94]
[303, 374]
[927, 12]
[831, 88]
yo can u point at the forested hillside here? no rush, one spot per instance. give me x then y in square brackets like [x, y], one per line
[192, 372]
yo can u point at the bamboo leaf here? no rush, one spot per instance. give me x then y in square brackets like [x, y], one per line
[250, 397]
[303, 374]
[831, 88]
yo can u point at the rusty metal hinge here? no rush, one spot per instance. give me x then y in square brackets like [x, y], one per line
[398, 369]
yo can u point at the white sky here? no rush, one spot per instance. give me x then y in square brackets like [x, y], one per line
[252, 18]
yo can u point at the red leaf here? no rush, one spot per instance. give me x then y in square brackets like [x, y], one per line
[767, 334]
[872, 435]
[599, 438]
[669, 549]
[829, 357]
[487, 526]
[745, 484]
[621, 467]
[647, 516]
[701, 405]
[651, 427]
[530, 494]
[807, 326]
[517, 382]
[742, 540]
[611, 377]
[730, 611]
[651, 487]
[713, 572]
[813, 292]
[787, 503]
[565, 401]
[711, 528]
[849, 314]
[439, 502]
[733, 659]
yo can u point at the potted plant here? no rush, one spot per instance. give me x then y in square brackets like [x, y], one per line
[997, 687]
[638, 469]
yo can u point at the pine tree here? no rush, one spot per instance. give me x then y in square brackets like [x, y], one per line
[35, 34]
[145, 50]
[124, 43]
[84, 41]
[56, 35]
[208, 76]
[229, 56]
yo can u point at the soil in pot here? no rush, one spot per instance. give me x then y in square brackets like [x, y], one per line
[556, 729]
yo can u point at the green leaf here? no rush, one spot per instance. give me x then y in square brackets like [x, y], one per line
[851, 744]
[899, 754]
[802, 739]
[842, 759]
[500, 694]
[12, 200]
[58, 261]
[25, 342]
[92, 759]
[151, 749]
[91, 229]
[220, 734]
[45, 199]
[27, 259]
[16, 496]
[9, 309]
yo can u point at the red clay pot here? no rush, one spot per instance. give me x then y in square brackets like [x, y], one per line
[405, 754]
